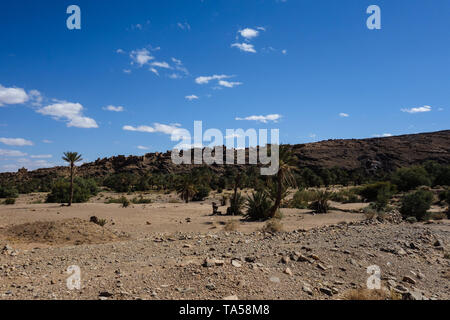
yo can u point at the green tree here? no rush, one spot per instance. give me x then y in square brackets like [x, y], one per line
[416, 204]
[186, 187]
[72, 158]
[286, 164]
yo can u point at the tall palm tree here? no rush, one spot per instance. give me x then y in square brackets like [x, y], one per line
[72, 158]
[287, 163]
[186, 187]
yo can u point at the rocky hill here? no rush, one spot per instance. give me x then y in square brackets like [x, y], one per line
[372, 154]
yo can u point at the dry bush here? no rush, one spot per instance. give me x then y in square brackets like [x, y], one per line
[231, 225]
[367, 294]
[273, 226]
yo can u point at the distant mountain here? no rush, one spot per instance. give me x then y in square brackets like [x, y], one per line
[385, 154]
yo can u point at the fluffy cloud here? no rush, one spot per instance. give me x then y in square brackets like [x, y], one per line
[142, 148]
[344, 115]
[12, 153]
[249, 33]
[12, 96]
[16, 142]
[141, 56]
[161, 64]
[27, 163]
[263, 119]
[191, 97]
[157, 127]
[246, 47]
[114, 108]
[206, 79]
[70, 112]
[229, 84]
[417, 110]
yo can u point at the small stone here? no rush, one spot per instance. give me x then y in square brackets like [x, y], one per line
[233, 297]
[285, 260]
[210, 286]
[321, 267]
[274, 279]
[326, 291]
[288, 271]
[409, 280]
[236, 263]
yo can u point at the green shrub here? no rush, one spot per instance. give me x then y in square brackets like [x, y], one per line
[9, 201]
[202, 193]
[8, 192]
[416, 204]
[258, 206]
[301, 198]
[346, 196]
[411, 219]
[373, 192]
[140, 200]
[121, 182]
[122, 200]
[410, 178]
[236, 205]
[320, 205]
[83, 190]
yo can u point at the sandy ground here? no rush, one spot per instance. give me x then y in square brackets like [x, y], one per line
[173, 250]
[163, 217]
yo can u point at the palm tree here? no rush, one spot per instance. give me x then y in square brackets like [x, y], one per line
[287, 163]
[186, 187]
[72, 158]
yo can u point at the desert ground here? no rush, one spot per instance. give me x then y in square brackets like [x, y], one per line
[172, 250]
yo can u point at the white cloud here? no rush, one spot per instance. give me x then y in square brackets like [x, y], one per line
[35, 97]
[141, 56]
[120, 51]
[191, 97]
[249, 33]
[12, 153]
[41, 156]
[417, 110]
[154, 71]
[70, 112]
[229, 84]
[157, 127]
[12, 96]
[16, 142]
[177, 61]
[142, 148]
[264, 119]
[174, 76]
[382, 135]
[344, 115]
[47, 141]
[161, 64]
[127, 71]
[27, 163]
[206, 79]
[114, 108]
[184, 26]
[284, 51]
[246, 47]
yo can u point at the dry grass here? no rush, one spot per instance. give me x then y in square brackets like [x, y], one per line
[273, 226]
[231, 225]
[367, 294]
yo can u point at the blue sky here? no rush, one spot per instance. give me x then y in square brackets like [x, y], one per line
[310, 68]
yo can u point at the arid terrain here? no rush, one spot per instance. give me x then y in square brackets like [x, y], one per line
[171, 250]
